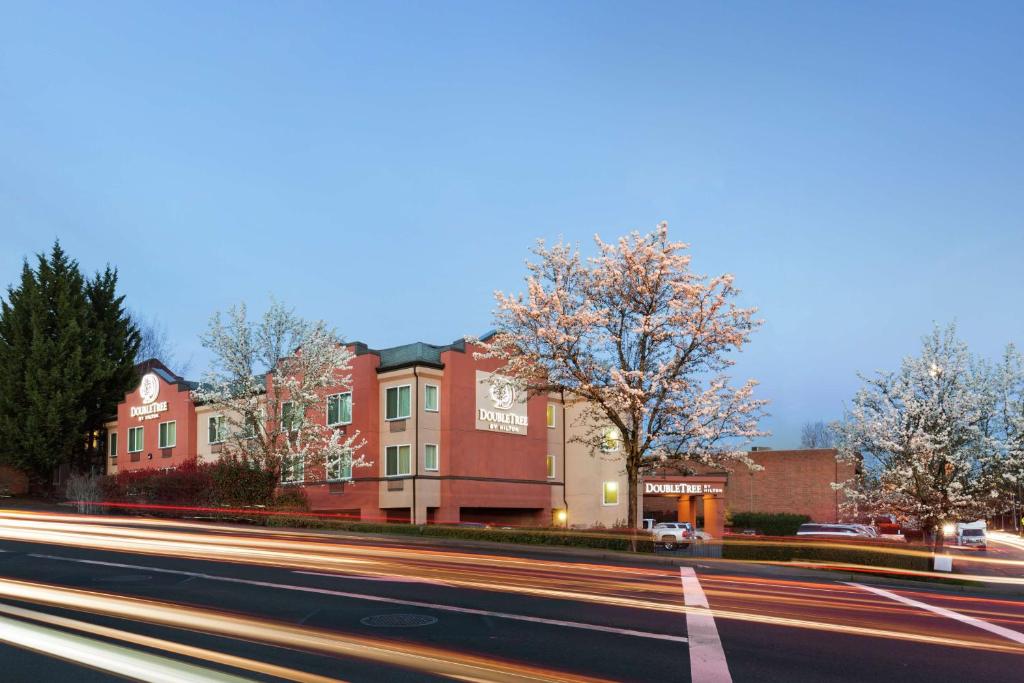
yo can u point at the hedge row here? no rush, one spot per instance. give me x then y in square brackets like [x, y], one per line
[769, 524]
[824, 552]
[601, 541]
[225, 483]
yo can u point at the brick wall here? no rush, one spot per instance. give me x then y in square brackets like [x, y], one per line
[13, 481]
[797, 481]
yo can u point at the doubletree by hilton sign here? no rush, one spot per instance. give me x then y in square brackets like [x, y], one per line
[500, 404]
[680, 487]
[149, 390]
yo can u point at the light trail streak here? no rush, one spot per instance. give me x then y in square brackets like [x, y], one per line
[167, 646]
[254, 629]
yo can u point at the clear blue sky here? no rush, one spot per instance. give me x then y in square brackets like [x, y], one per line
[857, 166]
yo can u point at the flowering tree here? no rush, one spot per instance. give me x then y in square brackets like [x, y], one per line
[269, 379]
[642, 341]
[1008, 467]
[926, 433]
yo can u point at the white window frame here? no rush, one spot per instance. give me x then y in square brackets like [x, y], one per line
[302, 470]
[327, 409]
[437, 398]
[398, 405]
[552, 411]
[604, 489]
[112, 443]
[219, 430]
[552, 466]
[327, 468]
[142, 439]
[437, 458]
[398, 460]
[158, 435]
[289, 430]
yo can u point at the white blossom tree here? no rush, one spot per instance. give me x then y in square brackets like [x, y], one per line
[269, 379]
[643, 342]
[1008, 466]
[926, 434]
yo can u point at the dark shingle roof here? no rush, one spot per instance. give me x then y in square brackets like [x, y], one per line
[406, 355]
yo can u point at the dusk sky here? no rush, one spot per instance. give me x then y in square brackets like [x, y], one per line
[387, 166]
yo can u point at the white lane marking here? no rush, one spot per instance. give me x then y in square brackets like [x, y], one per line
[1009, 634]
[707, 658]
[378, 598]
[385, 579]
[103, 656]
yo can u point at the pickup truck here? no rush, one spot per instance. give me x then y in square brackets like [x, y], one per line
[673, 534]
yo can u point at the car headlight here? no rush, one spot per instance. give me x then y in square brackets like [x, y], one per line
[949, 529]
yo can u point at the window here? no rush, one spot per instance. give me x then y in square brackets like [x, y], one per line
[397, 461]
[251, 428]
[430, 398]
[611, 493]
[551, 467]
[430, 457]
[397, 403]
[339, 409]
[339, 466]
[610, 440]
[218, 429]
[134, 439]
[291, 420]
[293, 468]
[551, 415]
[113, 444]
[168, 434]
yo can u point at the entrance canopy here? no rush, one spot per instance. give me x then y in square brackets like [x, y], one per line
[700, 491]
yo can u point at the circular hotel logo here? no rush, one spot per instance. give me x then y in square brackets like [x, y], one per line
[503, 393]
[150, 388]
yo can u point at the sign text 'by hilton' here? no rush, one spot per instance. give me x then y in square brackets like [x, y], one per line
[149, 390]
[500, 404]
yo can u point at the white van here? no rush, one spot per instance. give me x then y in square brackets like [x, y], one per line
[972, 534]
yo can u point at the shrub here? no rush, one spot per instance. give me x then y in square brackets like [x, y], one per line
[769, 523]
[291, 499]
[824, 552]
[227, 482]
[85, 490]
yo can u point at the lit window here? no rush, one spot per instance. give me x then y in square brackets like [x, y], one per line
[611, 493]
[339, 466]
[113, 444]
[293, 468]
[430, 456]
[430, 395]
[551, 467]
[168, 434]
[291, 419]
[551, 415]
[397, 461]
[339, 409]
[217, 431]
[397, 403]
[134, 439]
[610, 440]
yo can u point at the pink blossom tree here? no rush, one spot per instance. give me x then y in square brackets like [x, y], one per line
[642, 342]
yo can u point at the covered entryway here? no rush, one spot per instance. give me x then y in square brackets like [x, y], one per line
[696, 496]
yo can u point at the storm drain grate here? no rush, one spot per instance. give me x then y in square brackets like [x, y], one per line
[398, 620]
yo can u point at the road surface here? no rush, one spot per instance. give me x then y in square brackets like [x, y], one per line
[98, 598]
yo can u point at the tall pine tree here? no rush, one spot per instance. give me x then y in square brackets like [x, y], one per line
[67, 351]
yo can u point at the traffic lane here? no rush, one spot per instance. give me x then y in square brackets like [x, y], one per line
[592, 653]
[588, 605]
[541, 577]
[24, 666]
[803, 631]
[215, 652]
[846, 609]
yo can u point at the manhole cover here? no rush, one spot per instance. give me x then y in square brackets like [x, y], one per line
[124, 578]
[398, 620]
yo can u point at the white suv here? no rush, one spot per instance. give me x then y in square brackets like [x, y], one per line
[673, 534]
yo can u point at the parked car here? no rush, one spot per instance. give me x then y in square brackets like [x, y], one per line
[673, 534]
[833, 531]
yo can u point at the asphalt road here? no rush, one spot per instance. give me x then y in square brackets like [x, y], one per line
[95, 599]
